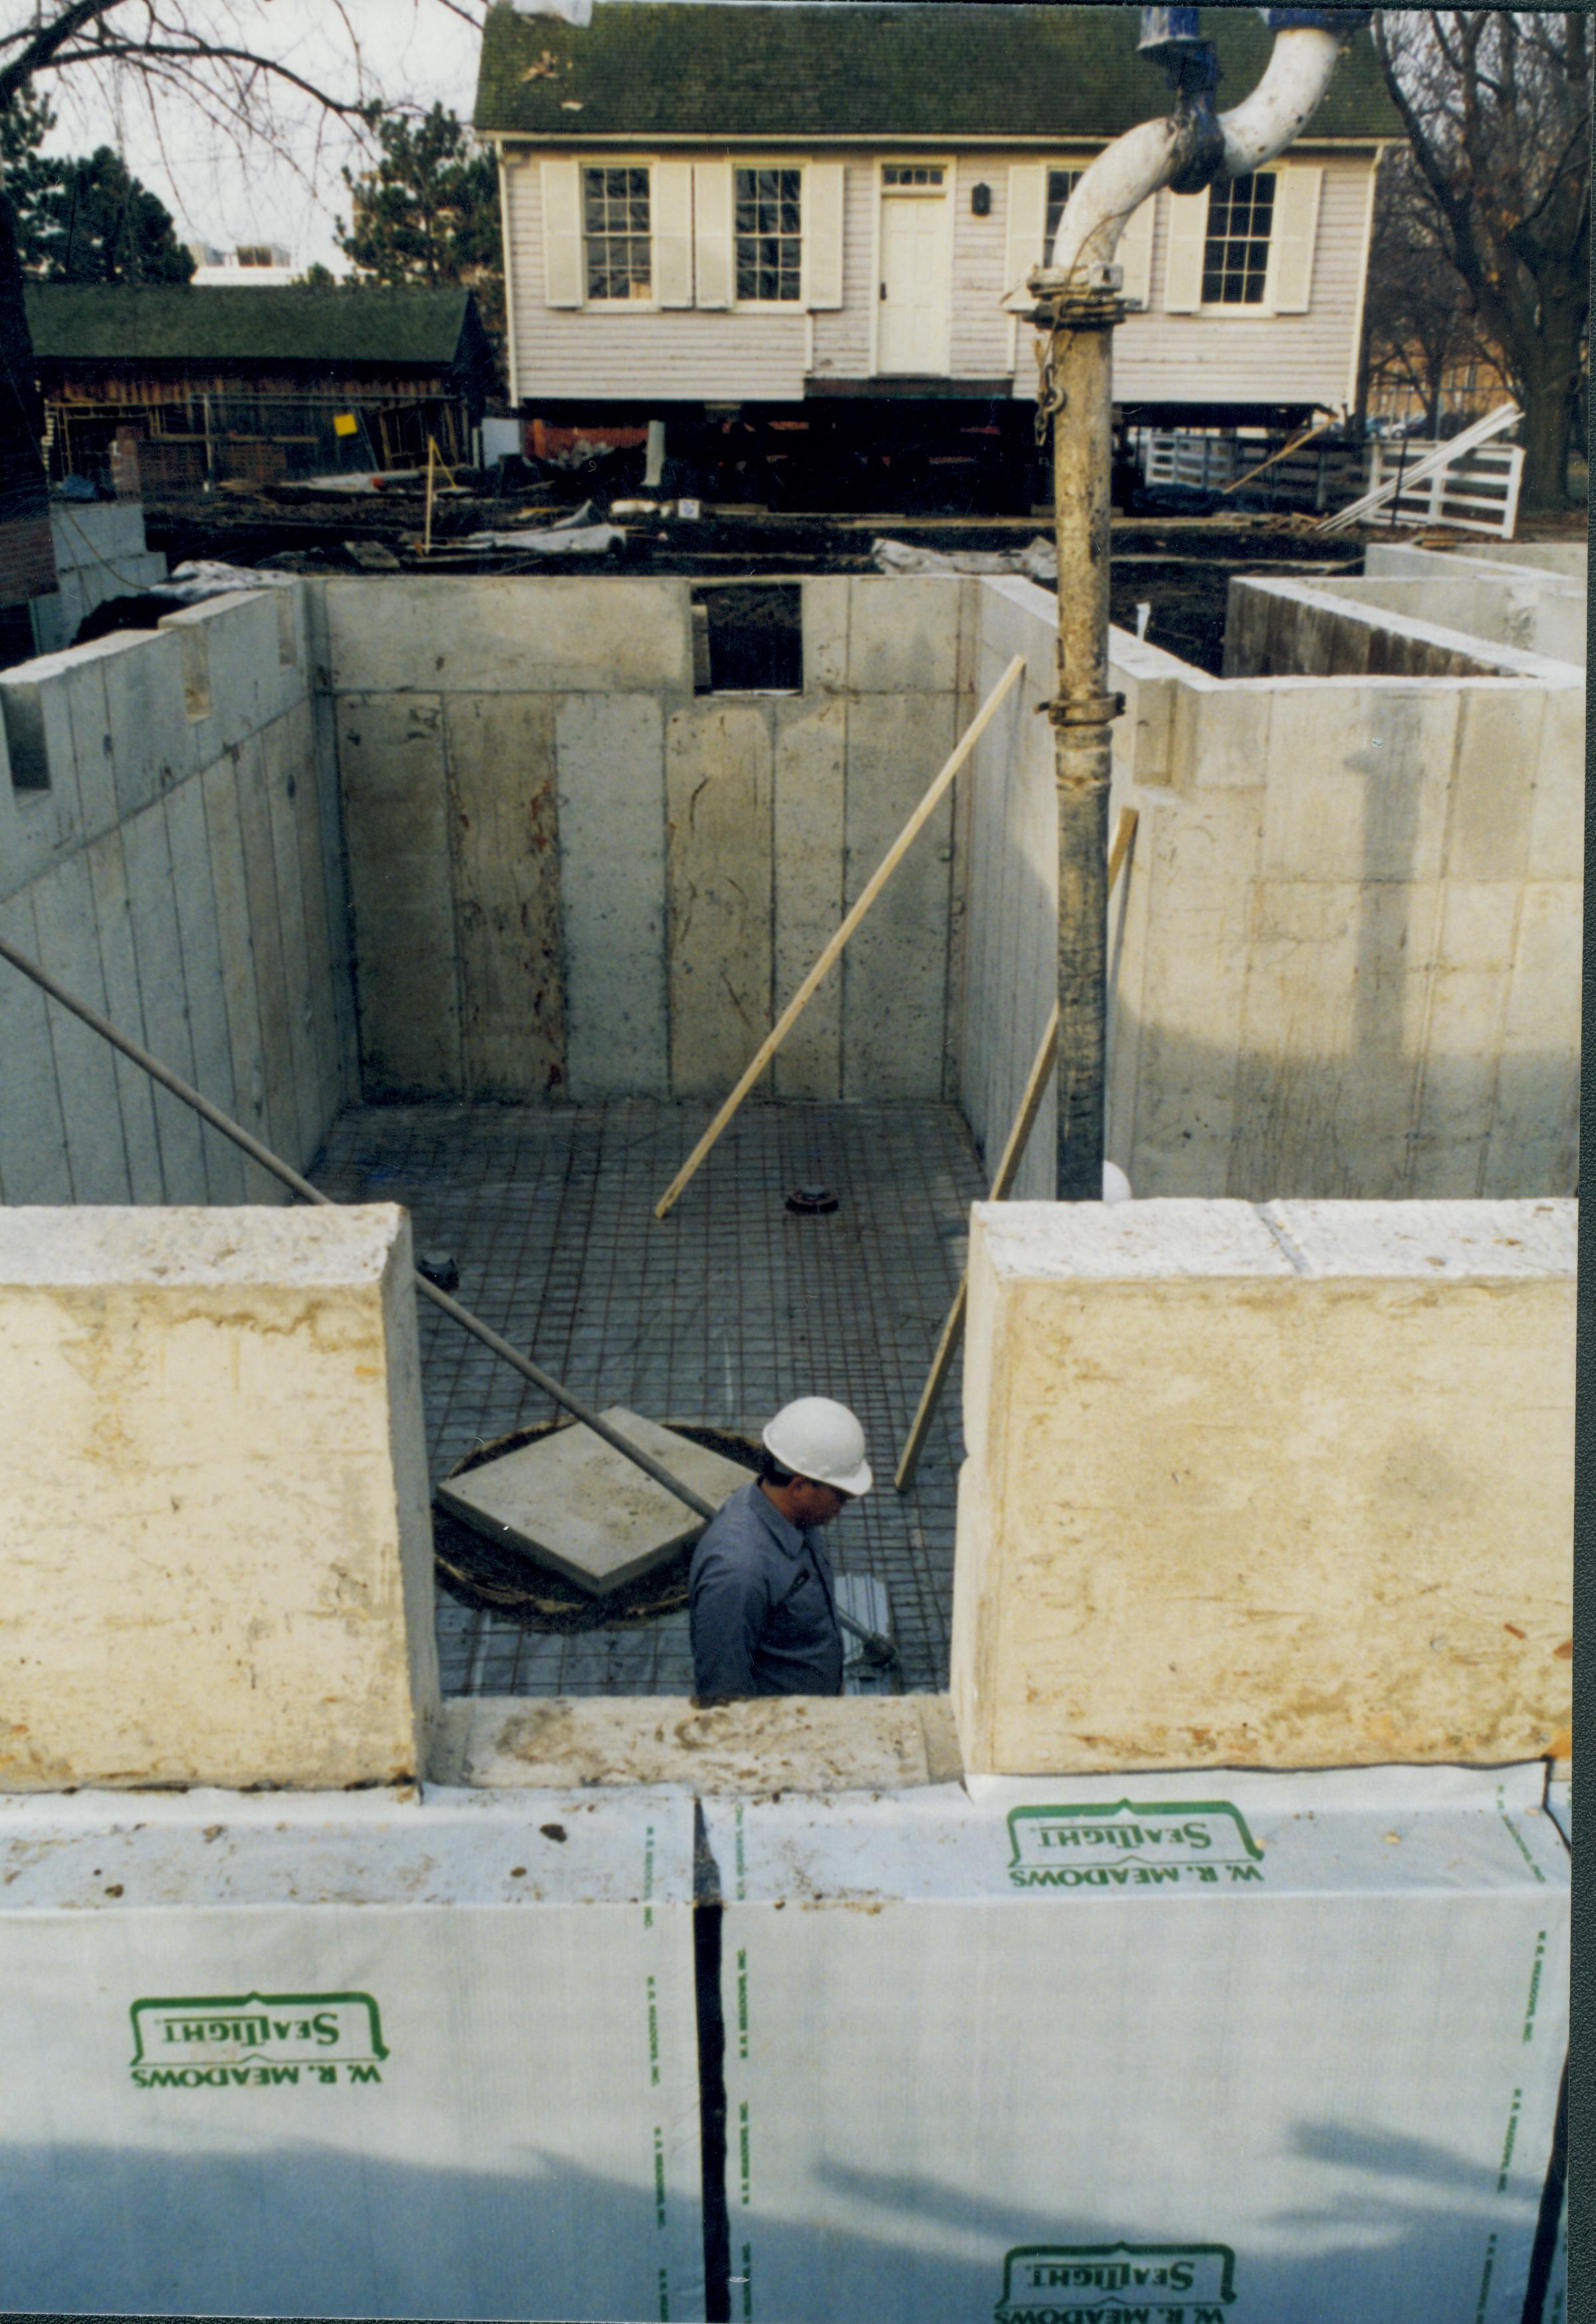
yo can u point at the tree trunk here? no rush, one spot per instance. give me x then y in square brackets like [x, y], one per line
[27, 553]
[1548, 379]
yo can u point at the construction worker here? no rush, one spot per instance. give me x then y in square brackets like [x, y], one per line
[762, 1603]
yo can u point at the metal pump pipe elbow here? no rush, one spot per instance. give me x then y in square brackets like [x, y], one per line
[1295, 78]
[1156, 153]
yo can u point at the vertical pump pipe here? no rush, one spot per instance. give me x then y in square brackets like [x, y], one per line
[1076, 307]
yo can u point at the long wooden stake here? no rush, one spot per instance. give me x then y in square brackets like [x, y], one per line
[1295, 445]
[868, 894]
[952, 1330]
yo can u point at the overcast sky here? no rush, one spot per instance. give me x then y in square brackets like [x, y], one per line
[224, 191]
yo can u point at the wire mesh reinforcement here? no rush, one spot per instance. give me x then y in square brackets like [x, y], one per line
[718, 1315]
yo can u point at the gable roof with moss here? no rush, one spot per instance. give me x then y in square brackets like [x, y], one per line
[76, 322]
[662, 72]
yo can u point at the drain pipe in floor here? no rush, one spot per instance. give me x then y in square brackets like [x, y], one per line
[1076, 307]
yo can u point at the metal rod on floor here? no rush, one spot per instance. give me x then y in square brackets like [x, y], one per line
[877, 1649]
[867, 896]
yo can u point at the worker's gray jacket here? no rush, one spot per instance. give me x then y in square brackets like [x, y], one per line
[763, 1605]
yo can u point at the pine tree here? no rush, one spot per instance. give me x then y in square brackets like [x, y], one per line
[104, 226]
[428, 210]
[30, 179]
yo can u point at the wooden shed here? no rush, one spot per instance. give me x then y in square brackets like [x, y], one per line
[257, 383]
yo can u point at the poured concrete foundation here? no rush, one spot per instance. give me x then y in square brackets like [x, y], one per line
[213, 1500]
[1344, 951]
[1279, 1487]
[169, 850]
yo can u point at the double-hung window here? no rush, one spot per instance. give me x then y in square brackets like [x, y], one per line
[1236, 249]
[1061, 185]
[617, 233]
[768, 232]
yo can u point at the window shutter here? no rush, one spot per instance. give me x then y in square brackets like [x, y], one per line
[1182, 268]
[823, 234]
[712, 231]
[1135, 252]
[1291, 247]
[562, 234]
[671, 209]
[1027, 222]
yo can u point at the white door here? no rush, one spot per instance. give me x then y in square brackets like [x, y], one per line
[912, 315]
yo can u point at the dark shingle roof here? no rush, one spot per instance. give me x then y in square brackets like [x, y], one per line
[649, 69]
[98, 323]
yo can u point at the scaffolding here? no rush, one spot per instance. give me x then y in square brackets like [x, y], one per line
[191, 442]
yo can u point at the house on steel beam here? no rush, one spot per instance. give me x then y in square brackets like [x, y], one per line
[800, 225]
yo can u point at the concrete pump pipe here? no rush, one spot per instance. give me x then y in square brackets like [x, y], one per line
[1184, 146]
[1076, 308]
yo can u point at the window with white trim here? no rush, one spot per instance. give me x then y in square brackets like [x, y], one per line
[1061, 185]
[616, 233]
[1236, 248]
[768, 232]
[911, 173]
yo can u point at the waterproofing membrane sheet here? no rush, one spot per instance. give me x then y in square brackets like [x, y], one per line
[1263, 2049]
[1553, 2308]
[314, 2056]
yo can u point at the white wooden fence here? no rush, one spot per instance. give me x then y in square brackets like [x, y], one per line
[1477, 491]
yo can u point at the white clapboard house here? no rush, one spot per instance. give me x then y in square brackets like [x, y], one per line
[769, 209]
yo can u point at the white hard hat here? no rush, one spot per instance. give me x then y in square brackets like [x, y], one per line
[818, 1439]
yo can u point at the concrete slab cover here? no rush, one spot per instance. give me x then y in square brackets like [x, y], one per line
[432, 2057]
[574, 1503]
[1177, 2048]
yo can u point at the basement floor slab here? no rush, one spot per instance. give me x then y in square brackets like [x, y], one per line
[716, 1315]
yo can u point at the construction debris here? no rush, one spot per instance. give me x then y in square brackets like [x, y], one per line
[1039, 559]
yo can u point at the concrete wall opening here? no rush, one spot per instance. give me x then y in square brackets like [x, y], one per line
[753, 638]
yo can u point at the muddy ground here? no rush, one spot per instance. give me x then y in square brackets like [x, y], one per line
[1179, 567]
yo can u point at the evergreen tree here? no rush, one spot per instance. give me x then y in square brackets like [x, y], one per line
[426, 210]
[104, 226]
[31, 181]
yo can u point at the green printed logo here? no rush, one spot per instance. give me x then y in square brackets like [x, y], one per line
[1140, 1844]
[256, 2041]
[1117, 2283]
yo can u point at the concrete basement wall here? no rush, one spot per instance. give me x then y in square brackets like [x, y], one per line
[1280, 1487]
[1538, 610]
[1327, 629]
[169, 848]
[1345, 958]
[216, 1548]
[570, 876]
[99, 553]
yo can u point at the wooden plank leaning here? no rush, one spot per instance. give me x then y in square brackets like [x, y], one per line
[867, 896]
[1002, 1179]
